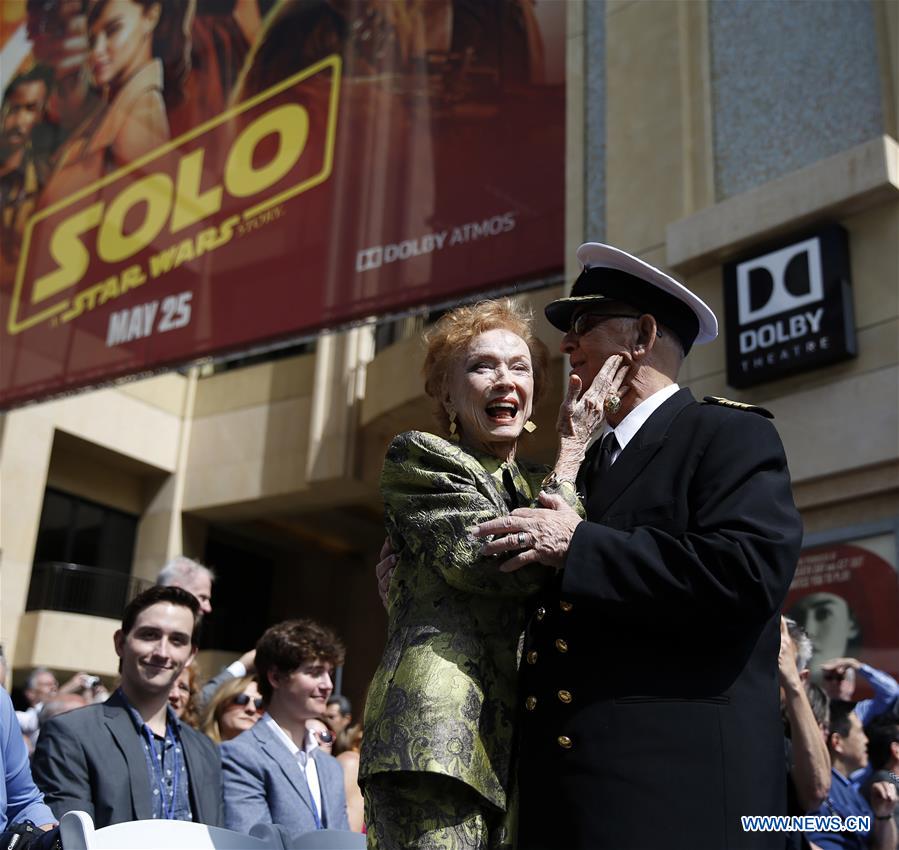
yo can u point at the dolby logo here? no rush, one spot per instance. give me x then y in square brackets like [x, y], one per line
[780, 283]
[789, 308]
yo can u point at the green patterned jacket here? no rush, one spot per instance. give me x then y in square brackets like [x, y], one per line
[442, 700]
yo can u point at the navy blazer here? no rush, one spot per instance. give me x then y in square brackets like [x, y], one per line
[92, 759]
[264, 784]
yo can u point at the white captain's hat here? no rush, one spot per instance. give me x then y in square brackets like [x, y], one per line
[610, 274]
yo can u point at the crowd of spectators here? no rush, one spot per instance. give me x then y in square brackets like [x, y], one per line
[165, 744]
[842, 756]
[267, 741]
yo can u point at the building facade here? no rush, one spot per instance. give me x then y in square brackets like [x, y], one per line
[700, 135]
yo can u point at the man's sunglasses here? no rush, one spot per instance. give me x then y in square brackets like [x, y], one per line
[585, 323]
[324, 737]
[244, 699]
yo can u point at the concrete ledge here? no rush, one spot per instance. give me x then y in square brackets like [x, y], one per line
[262, 383]
[393, 379]
[847, 424]
[65, 641]
[837, 186]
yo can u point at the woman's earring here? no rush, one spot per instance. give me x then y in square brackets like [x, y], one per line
[454, 433]
[530, 426]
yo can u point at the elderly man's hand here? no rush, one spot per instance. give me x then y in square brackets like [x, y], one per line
[538, 535]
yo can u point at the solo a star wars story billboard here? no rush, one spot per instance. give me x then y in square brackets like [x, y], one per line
[185, 178]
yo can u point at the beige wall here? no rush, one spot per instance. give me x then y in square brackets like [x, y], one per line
[281, 433]
[658, 142]
[87, 644]
[114, 446]
[840, 424]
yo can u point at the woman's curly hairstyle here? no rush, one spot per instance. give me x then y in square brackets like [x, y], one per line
[286, 646]
[447, 341]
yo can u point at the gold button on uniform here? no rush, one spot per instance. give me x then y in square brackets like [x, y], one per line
[561, 645]
[564, 742]
[530, 703]
[565, 696]
[566, 606]
[541, 613]
[532, 656]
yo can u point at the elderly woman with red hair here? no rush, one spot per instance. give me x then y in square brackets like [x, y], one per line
[437, 761]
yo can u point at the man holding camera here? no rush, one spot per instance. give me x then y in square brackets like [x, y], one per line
[40, 689]
[130, 758]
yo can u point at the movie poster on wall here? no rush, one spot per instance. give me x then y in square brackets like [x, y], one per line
[846, 596]
[184, 179]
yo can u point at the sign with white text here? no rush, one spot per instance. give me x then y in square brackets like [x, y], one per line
[789, 309]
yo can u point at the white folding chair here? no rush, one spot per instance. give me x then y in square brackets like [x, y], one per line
[316, 839]
[327, 839]
[78, 833]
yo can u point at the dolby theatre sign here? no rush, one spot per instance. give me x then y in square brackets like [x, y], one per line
[789, 309]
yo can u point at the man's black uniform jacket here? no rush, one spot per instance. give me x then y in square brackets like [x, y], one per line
[650, 702]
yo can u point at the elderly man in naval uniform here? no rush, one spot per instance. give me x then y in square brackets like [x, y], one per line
[649, 703]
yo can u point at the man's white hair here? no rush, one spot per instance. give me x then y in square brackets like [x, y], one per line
[31, 681]
[180, 570]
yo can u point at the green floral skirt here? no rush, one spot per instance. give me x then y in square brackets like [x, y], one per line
[406, 810]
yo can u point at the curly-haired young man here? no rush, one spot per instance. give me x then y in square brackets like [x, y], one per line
[275, 772]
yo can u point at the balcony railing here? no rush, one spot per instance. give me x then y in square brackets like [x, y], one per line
[81, 590]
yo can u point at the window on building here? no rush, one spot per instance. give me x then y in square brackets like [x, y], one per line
[77, 531]
[241, 596]
[82, 558]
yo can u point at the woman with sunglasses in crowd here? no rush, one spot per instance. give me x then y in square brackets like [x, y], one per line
[232, 709]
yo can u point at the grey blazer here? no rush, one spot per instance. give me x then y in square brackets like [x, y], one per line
[92, 759]
[264, 784]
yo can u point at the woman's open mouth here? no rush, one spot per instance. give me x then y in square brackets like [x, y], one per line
[502, 411]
